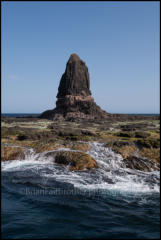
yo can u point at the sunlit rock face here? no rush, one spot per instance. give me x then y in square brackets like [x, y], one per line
[74, 100]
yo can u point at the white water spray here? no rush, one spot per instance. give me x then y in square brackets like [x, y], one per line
[109, 176]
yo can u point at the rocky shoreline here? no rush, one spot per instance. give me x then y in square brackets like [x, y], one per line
[136, 139]
[76, 122]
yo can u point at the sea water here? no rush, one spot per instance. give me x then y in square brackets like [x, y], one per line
[41, 199]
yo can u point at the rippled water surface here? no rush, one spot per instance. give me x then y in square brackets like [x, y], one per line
[45, 200]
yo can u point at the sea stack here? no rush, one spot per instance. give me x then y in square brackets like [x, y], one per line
[74, 100]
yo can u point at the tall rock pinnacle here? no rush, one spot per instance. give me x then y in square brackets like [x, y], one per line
[75, 80]
[74, 99]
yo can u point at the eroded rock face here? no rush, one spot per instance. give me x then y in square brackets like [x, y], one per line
[74, 100]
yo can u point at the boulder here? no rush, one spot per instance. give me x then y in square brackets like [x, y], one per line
[138, 163]
[76, 160]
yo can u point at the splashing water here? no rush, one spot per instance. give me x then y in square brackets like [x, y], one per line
[108, 202]
[109, 175]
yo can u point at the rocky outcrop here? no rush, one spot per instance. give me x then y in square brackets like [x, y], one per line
[75, 80]
[74, 100]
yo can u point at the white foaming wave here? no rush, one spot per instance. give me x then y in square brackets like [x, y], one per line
[120, 188]
[13, 165]
[109, 176]
[32, 160]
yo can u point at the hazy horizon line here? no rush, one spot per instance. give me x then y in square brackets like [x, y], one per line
[41, 112]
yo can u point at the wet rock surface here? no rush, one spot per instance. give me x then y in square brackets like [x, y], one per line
[46, 135]
[76, 160]
[138, 163]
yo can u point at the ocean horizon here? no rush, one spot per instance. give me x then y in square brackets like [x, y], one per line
[37, 114]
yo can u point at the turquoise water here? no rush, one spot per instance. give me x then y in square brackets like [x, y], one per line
[43, 200]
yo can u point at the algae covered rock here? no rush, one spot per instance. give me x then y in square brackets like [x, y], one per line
[138, 163]
[142, 134]
[84, 147]
[11, 153]
[152, 154]
[126, 134]
[125, 151]
[76, 160]
[148, 143]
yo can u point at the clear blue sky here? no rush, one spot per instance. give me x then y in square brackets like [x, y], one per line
[119, 41]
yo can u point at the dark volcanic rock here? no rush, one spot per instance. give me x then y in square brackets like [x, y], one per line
[74, 99]
[75, 80]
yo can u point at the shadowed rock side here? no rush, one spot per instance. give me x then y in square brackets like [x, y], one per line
[74, 99]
